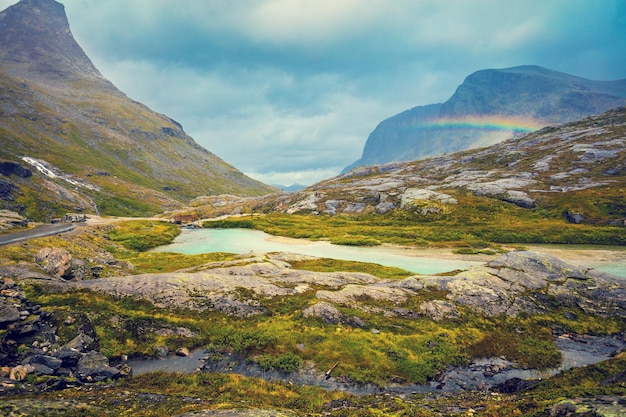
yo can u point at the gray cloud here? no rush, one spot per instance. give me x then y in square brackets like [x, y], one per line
[288, 90]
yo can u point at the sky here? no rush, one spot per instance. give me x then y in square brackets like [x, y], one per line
[288, 91]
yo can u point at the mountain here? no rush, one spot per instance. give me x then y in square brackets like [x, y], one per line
[290, 188]
[71, 141]
[490, 106]
[574, 171]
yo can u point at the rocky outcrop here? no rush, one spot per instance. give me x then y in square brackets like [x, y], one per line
[40, 353]
[8, 168]
[538, 170]
[11, 219]
[512, 284]
[55, 261]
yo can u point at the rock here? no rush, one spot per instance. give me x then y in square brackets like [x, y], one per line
[82, 343]
[384, 207]
[8, 314]
[439, 310]
[10, 219]
[18, 373]
[563, 409]
[75, 218]
[417, 196]
[42, 369]
[94, 367]
[520, 199]
[49, 361]
[183, 352]
[8, 168]
[326, 311]
[160, 351]
[69, 357]
[513, 385]
[575, 218]
[55, 261]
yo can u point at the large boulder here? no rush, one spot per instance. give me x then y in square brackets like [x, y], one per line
[94, 367]
[326, 311]
[55, 261]
[9, 314]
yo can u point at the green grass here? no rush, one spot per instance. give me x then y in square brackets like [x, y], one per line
[488, 224]
[139, 236]
[332, 265]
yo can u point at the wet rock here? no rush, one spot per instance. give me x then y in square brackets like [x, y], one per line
[160, 351]
[94, 367]
[183, 352]
[69, 357]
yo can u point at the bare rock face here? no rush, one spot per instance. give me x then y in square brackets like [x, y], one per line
[325, 311]
[439, 310]
[426, 201]
[10, 219]
[512, 284]
[8, 314]
[55, 261]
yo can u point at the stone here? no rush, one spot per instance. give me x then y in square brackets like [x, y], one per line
[69, 357]
[8, 168]
[18, 373]
[49, 361]
[384, 207]
[326, 311]
[575, 218]
[160, 351]
[8, 314]
[413, 196]
[439, 310]
[55, 261]
[94, 367]
[183, 352]
[82, 343]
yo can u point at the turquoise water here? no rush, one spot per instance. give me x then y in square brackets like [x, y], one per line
[241, 241]
[244, 241]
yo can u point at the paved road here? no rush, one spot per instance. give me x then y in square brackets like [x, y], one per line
[39, 231]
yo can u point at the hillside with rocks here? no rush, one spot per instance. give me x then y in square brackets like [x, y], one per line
[575, 171]
[71, 141]
[490, 106]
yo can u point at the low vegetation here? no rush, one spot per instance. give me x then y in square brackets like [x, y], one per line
[400, 348]
[477, 223]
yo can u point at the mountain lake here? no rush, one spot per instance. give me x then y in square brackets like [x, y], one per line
[420, 261]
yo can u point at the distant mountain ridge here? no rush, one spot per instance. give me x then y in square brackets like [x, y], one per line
[88, 146]
[489, 106]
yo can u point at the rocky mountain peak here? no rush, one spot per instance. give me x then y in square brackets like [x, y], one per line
[36, 42]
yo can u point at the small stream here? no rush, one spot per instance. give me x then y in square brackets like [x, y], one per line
[480, 374]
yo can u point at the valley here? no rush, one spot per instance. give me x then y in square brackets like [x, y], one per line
[449, 272]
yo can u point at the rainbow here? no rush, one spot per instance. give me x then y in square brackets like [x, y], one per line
[492, 123]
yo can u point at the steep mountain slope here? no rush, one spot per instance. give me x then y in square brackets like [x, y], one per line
[489, 106]
[81, 144]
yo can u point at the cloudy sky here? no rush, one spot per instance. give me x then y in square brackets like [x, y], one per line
[288, 90]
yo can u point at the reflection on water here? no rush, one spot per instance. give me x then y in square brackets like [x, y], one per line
[243, 241]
